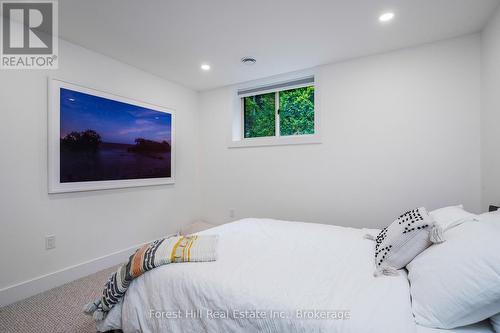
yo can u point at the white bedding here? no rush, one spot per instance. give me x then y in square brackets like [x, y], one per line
[482, 327]
[271, 265]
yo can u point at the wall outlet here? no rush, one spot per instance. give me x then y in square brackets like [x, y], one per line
[50, 242]
[232, 214]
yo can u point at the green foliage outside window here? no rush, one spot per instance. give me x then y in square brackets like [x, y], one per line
[296, 110]
[259, 115]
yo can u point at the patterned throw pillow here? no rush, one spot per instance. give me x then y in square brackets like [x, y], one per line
[400, 242]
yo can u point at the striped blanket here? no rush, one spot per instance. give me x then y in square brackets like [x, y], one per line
[160, 252]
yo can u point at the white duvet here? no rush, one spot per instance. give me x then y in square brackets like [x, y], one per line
[270, 268]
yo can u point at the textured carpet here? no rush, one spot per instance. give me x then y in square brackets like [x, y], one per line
[57, 310]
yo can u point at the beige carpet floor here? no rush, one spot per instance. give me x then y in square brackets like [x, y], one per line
[57, 310]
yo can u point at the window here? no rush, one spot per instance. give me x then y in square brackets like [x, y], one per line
[279, 110]
[296, 111]
[259, 115]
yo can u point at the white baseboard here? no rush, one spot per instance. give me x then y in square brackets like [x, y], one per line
[20, 291]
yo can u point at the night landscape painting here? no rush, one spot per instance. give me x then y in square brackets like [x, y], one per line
[103, 139]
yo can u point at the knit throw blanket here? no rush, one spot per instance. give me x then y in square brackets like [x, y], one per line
[160, 252]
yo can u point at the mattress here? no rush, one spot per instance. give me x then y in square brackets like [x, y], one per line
[270, 276]
[482, 327]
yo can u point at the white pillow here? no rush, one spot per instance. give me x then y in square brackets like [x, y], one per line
[495, 322]
[450, 217]
[457, 283]
[397, 244]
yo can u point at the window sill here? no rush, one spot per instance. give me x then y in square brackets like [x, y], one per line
[276, 141]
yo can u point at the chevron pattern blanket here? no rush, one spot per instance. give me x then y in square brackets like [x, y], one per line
[160, 252]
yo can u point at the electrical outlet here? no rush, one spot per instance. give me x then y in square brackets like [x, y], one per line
[232, 213]
[50, 242]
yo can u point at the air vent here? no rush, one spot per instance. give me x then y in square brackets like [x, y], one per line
[248, 61]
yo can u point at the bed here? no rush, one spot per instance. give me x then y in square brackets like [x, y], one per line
[272, 276]
[482, 327]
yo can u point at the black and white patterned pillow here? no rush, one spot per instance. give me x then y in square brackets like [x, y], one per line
[400, 242]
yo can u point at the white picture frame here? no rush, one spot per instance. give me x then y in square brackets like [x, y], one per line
[55, 185]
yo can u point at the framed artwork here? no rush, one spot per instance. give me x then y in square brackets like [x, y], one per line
[98, 140]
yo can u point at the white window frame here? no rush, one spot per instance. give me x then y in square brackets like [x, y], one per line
[238, 140]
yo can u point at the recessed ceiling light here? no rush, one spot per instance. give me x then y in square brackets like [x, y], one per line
[205, 67]
[386, 17]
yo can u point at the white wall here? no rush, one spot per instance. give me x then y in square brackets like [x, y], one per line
[399, 130]
[490, 120]
[88, 224]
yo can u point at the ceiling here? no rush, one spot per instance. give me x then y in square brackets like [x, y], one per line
[172, 38]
